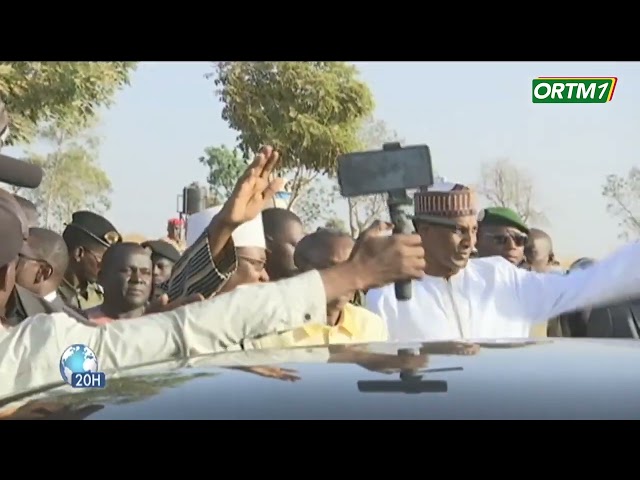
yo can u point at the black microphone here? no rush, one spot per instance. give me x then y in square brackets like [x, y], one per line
[19, 173]
[12, 171]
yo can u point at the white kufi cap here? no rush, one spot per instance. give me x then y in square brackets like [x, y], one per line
[249, 234]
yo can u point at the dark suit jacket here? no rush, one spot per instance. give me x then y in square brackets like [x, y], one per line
[33, 304]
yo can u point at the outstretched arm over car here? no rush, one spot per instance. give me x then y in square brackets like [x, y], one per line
[547, 295]
[30, 353]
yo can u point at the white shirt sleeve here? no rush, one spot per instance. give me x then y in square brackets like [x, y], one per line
[30, 352]
[547, 295]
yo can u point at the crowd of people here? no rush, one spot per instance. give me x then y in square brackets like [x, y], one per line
[247, 276]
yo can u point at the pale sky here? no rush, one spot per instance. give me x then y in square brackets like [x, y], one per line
[467, 113]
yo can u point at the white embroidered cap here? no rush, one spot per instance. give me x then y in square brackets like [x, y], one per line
[249, 234]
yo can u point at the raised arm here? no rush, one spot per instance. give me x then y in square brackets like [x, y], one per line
[209, 262]
[30, 352]
[545, 296]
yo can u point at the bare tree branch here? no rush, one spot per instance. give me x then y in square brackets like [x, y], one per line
[504, 184]
[623, 201]
[363, 211]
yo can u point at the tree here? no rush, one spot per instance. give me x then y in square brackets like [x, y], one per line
[65, 94]
[73, 178]
[310, 111]
[623, 201]
[505, 185]
[316, 205]
[225, 168]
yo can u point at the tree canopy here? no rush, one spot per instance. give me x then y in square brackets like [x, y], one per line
[310, 111]
[73, 179]
[65, 94]
[225, 168]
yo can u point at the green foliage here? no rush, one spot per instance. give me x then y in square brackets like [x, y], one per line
[65, 94]
[310, 111]
[225, 167]
[73, 179]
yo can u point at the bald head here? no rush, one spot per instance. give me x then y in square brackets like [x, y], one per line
[539, 250]
[112, 258]
[322, 249]
[536, 233]
[276, 220]
[41, 271]
[49, 246]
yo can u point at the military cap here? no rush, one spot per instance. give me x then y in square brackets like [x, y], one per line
[14, 232]
[162, 249]
[502, 216]
[95, 226]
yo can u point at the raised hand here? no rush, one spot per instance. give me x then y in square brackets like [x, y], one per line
[381, 258]
[254, 190]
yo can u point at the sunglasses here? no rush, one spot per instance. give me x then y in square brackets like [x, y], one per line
[502, 238]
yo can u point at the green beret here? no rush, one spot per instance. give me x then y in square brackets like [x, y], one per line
[502, 217]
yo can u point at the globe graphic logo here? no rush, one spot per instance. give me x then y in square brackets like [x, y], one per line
[77, 359]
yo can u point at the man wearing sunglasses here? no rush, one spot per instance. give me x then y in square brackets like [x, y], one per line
[501, 232]
[489, 297]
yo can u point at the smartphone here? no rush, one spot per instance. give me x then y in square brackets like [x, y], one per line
[380, 171]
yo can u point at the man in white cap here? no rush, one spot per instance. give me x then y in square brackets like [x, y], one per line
[249, 242]
[30, 352]
[488, 297]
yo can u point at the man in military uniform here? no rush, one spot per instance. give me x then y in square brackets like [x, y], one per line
[502, 232]
[174, 234]
[87, 237]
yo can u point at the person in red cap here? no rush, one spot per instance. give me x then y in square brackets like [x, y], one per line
[175, 227]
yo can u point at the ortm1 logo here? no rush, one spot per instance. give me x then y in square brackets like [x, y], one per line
[573, 89]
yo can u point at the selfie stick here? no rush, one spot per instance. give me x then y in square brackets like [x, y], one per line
[400, 204]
